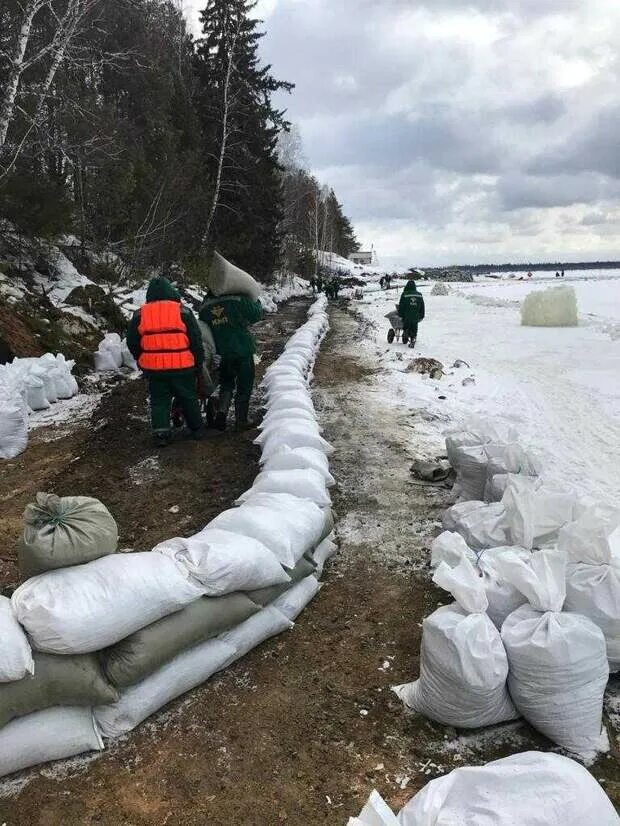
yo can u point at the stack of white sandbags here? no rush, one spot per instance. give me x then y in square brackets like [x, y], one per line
[529, 789]
[549, 569]
[26, 385]
[116, 636]
[112, 354]
[484, 456]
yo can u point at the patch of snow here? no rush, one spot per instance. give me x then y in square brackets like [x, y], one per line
[146, 471]
[73, 410]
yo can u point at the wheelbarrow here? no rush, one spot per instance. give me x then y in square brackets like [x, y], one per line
[396, 332]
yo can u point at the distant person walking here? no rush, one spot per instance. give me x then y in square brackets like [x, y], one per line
[411, 309]
[164, 338]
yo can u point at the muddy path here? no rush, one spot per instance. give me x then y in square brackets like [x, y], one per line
[153, 494]
[302, 729]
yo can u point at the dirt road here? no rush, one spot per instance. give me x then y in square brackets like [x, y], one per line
[302, 729]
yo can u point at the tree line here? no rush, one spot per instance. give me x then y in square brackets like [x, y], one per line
[119, 127]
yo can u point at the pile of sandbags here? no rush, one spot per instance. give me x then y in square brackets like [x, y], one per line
[96, 641]
[112, 354]
[27, 385]
[528, 789]
[548, 579]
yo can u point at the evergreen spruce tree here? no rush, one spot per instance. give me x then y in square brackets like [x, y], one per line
[240, 128]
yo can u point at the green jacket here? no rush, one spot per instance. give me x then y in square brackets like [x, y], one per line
[160, 289]
[229, 317]
[411, 305]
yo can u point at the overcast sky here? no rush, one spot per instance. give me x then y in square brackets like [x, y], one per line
[457, 131]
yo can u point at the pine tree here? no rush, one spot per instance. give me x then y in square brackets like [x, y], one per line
[240, 129]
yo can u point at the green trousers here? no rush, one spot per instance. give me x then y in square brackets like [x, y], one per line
[180, 385]
[238, 374]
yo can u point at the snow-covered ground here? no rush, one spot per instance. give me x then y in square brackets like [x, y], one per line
[559, 386]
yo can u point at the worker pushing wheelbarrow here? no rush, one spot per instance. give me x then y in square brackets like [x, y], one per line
[404, 320]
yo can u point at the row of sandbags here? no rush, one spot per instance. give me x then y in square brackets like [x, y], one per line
[535, 626]
[528, 789]
[111, 639]
[27, 385]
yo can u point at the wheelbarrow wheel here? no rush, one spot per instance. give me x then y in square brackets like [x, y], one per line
[405, 338]
[391, 335]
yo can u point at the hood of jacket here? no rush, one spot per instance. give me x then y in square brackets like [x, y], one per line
[160, 289]
[411, 287]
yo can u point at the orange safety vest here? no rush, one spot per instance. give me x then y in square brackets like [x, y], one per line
[164, 342]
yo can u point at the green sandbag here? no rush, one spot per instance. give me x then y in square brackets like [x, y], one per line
[58, 680]
[264, 596]
[138, 655]
[64, 531]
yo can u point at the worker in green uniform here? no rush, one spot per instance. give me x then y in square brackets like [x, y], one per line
[229, 317]
[411, 310]
[165, 340]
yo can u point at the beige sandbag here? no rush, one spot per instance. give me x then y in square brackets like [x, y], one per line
[57, 680]
[148, 649]
[264, 596]
[61, 531]
[226, 279]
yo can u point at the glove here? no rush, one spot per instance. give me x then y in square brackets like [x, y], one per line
[216, 361]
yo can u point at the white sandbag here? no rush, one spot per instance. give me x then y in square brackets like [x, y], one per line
[450, 547]
[255, 630]
[376, 812]
[223, 562]
[495, 487]
[305, 484]
[502, 596]
[478, 431]
[534, 514]
[269, 428]
[324, 551]
[112, 344]
[187, 670]
[293, 435]
[471, 472]
[295, 599]
[553, 307]
[289, 400]
[558, 661]
[88, 607]
[53, 734]
[13, 422]
[510, 458]
[481, 525]
[288, 531]
[593, 575]
[527, 789]
[288, 507]
[463, 665]
[64, 388]
[15, 654]
[128, 359]
[296, 413]
[225, 279]
[35, 393]
[105, 361]
[301, 458]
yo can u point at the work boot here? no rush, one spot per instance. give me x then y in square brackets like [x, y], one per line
[211, 412]
[162, 438]
[223, 407]
[412, 343]
[241, 417]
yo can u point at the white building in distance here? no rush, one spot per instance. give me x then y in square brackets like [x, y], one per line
[367, 258]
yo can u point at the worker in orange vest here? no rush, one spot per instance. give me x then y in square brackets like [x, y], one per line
[165, 340]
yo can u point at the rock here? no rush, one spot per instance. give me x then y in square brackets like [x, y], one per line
[97, 302]
[425, 366]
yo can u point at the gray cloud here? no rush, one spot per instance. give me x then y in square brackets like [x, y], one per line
[459, 119]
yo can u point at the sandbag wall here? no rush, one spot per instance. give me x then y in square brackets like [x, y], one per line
[93, 649]
[535, 627]
[27, 385]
